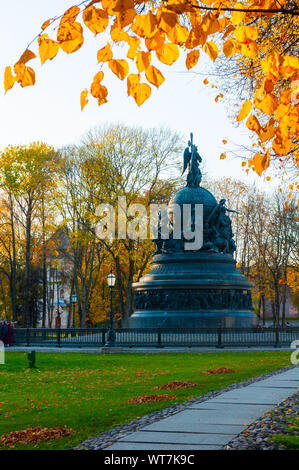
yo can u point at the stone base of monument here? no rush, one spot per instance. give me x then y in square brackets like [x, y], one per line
[193, 290]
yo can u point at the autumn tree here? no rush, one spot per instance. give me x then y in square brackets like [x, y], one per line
[159, 31]
[25, 170]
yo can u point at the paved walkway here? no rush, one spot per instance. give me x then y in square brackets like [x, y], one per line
[211, 424]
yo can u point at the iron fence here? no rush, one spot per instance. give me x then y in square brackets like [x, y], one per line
[157, 337]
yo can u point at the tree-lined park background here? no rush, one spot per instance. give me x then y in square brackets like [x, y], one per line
[49, 193]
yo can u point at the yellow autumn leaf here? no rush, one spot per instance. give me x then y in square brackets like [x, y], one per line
[218, 96]
[249, 50]
[97, 90]
[289, 66]
[268, 105]
[122, 5]
[25, 75]
[117, 34]
[281, 146]
[224, 141]
[212, 50]
[143, 60]
[26, 56]
[210, 23]
[229, 48]
[83, 99]
[156, 41]
[222, 156]
[125, 17]
[261, 162]
[141, 93]
[281, 110]
[145, 25]
[70, 37]
[46, 24]
[178, 35]
[109, 6]
[197, 37]
[132, 81]
[98, 76]
[105, 54]
[167, 20]
[168, 53]
[119, 67]
[95, 19]
[192, 59]
[9, 79]
[253, 124]
[245, 110]
[134, 44]
[238, 16]
[154, 76]
[268, 131]
[246, 34]
[70, 15]
[206, 81]
[48, 49]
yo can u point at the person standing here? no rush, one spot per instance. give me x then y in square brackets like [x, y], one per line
[4, 331]
[9, 336]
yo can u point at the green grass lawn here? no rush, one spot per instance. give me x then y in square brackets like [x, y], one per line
[89, 392]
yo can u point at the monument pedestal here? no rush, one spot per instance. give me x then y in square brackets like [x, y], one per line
[193, 290]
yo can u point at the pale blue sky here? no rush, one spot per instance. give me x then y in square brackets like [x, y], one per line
[50, 111]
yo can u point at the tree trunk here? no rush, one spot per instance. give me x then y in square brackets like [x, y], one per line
[263, 308]
[44, 313]
[13, 263]
[27, 318]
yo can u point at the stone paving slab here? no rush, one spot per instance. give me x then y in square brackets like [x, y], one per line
[210, 424]
[120, 445]
[231, 407]
[189, 419]
[178, 438]
[172, 424]
[267, 396]
[275, 384]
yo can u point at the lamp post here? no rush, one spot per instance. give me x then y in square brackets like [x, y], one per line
[73, 302]
[111, 333]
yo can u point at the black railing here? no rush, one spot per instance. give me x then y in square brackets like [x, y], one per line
[157, 337]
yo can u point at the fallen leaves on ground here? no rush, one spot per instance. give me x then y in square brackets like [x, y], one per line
[176, 384]
[151, 398]
[220, 370]
[34, 435]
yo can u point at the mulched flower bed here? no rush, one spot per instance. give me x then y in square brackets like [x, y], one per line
[258, 436]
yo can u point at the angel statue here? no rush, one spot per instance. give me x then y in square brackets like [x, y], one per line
[191, 160]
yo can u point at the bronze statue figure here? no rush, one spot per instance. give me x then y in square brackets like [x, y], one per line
[191, 160]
